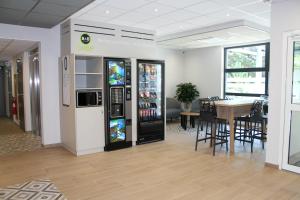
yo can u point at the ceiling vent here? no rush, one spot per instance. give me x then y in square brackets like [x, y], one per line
[137, 35]
[99, 30]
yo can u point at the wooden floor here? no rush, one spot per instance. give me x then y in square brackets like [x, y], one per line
[169, 170]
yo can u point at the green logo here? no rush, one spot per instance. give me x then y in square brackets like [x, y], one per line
[85, 38]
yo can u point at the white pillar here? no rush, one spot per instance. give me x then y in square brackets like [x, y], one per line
[26, 91]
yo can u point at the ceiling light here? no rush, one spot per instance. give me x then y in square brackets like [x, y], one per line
[227, 15]
[211, 40]
[181, 27]
[156, 10]
[205, 38]
[107, 12]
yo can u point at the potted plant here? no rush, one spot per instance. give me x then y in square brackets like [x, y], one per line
[186, 93]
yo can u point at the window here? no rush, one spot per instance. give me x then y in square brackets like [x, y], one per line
[246, 70]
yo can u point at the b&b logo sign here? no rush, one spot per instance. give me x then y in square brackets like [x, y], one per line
[85, 43]
[85, 38]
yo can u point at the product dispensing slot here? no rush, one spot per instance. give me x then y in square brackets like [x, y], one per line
[128, 73]
[116, 102]
[128, 94]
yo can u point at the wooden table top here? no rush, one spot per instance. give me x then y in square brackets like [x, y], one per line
[233, 103]
[190, 113]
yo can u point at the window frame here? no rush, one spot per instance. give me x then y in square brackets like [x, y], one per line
[250, 69]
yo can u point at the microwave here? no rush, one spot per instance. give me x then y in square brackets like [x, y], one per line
[88, 98]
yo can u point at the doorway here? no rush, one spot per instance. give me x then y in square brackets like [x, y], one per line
[20, 124]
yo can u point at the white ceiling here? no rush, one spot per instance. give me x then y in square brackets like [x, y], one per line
[172, 16]
[10, 48]
[226, 34]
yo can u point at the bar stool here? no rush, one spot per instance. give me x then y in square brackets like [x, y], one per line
[208, 114]
[251, 127]
[222, 123]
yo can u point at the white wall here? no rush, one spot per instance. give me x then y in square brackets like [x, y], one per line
[283, 18]
[204, 68]
[49, 52]
[174, 71]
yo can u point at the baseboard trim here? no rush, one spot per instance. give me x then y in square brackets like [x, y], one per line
[68, 148]
[89, 151]
[52, 145]
[271, 165]
[133, 143]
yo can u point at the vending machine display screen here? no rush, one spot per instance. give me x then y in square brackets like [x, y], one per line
[116, 72]
[117, 130]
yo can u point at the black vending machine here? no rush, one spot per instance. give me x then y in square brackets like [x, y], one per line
[118, 103]
[150, 101]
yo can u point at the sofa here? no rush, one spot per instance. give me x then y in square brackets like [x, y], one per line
[173, 109]
[196, 105]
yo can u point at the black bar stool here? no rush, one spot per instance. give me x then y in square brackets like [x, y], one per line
[208, 114]
[251, 127]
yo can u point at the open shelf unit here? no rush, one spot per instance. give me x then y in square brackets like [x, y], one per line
[88, 73]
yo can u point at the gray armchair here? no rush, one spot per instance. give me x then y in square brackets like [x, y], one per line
[173, 109]
[196, 105]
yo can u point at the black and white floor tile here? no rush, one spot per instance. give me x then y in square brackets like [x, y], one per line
[32, 190]
[13, 139]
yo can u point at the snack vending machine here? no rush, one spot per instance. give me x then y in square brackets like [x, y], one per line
[151, 101]
[118, 103]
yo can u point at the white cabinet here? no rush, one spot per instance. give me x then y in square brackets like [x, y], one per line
[82, 128]
[90, 130]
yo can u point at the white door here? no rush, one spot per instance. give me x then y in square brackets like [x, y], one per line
[291, 148]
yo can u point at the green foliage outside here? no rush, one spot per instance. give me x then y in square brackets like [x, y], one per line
[297, 56]
[240, 60]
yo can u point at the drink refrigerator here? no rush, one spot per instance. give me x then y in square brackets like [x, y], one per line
[150, 101]
[118, 103]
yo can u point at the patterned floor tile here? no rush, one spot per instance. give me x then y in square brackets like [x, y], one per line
[33, 190]
[13, 139]
[6, 193]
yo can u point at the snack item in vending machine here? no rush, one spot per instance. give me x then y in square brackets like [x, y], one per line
[147, 94]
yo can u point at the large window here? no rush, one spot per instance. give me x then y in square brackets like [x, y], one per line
[246, 70]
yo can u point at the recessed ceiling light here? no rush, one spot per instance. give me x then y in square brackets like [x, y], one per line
[107, 12]
[156, 10]
[227, 15]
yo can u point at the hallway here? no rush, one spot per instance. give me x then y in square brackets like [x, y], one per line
[13, 139]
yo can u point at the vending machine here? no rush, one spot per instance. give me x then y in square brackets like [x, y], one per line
[118, 104]
[151, 98]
